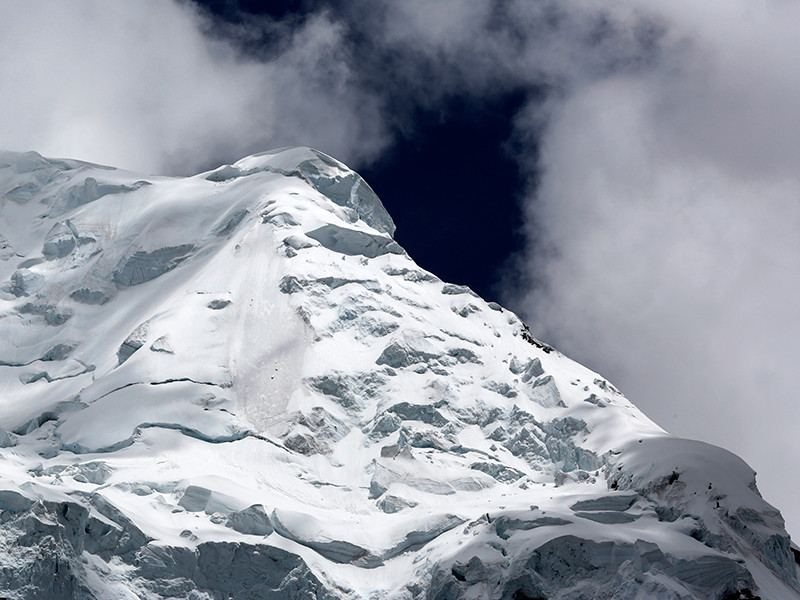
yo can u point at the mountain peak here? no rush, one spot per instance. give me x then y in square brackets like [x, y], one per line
[238, 384]
[327, 175]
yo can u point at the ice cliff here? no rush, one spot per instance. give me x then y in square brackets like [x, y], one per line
[238, 385]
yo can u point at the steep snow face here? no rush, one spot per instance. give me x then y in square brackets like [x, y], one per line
[239, 385]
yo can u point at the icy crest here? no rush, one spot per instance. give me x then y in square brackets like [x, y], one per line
[325, 174]
[239, 385]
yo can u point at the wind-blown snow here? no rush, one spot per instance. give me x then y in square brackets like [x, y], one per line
[239, 384]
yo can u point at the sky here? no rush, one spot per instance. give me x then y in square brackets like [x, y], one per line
[623, 174]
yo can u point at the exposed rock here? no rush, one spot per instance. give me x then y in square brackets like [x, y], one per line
[97, 472]
[6, 441]
[414, 540]
[472, 572]
[279, 218]
[51, 314]
[501, 388]
[230, 222]
[59, 241]
[392, 504]
[253, 520]
[312, 432]
[354, 242]
[616, 502]
[228, 570]
[58, 352]
[597, 401]
[338, 551]
[218, 304]
[505, 526]
[25, 282]
[530, 370]
[608, 517]
[464, 355]
[452, 289]
[14, 502]
[290, 285]
[143, 266]
[568, 560]
[298, 242]
[414, 275]
[132, 343]
[410, 350]
[499, 471]
[348, 390]
[195, 498]
[91, 189]
[87, 296]
[418, 412]
[544, 391]
[384, 425]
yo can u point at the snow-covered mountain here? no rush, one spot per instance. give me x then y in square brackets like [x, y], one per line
[238, 385]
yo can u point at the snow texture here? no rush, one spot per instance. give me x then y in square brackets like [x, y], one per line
[238, 385]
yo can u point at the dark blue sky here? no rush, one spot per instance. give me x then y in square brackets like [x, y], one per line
[449, 180]
[453, 192]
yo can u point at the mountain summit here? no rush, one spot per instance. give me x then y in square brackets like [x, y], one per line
[238, 385]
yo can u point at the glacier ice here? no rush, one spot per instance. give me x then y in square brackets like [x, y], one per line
[59, 241]
[142, 266]
[238, 385]
[252, 520]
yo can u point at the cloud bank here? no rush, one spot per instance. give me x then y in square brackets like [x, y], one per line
[659, 140]
[146, 86]
[664, 232]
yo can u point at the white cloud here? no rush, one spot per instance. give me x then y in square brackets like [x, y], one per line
[139, 85]
[666, 232]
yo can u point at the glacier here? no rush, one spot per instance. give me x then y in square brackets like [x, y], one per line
[239, 385]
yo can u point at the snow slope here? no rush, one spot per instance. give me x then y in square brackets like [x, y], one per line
[238, 385]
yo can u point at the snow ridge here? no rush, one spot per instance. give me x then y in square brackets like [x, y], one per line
[239, 385]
